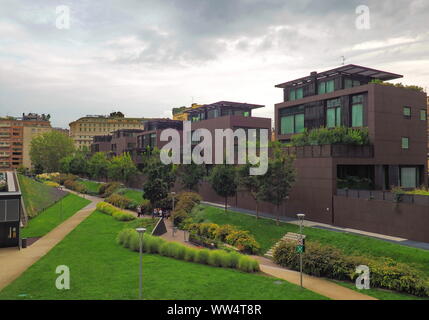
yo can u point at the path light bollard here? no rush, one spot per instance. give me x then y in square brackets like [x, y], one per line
[174, 231]
[300, 247]
[141, 231]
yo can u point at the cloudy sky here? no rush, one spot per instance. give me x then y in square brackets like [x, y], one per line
[144, 57]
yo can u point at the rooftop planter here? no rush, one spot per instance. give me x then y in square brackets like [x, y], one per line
[337, 135]
[398, 85]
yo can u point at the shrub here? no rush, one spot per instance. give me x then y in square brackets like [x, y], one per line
[114, 212]
[51, 184]
[75, 186]
[243, 241]
[215, 258]
[63, 177]
[248, 264]
[178, 216]
[337, 135]
[121, 201]
[223, 231]
[190, 254]
[327, 261]
[202, 256]
[107, 189]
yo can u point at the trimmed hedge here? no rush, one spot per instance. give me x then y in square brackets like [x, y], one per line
[116, 213]
[129, 238]
[326, 261]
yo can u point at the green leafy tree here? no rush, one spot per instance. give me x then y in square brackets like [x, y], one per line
[98, 165]
[223, 180]
[65, 164]
[121, 168]
[250, 183]
[160, 178]
[277, 182]
[47, 149]
[190, 175]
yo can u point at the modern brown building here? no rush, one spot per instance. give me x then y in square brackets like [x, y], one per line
[84, 129]
[15, 138]
[348, 96]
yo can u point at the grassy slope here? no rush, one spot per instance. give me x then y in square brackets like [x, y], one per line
[37, 196]
[101, 269]
[133, 195]
[91, 186]
[267, 233]
[53, 216]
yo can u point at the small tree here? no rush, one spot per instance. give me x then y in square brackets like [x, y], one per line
[47, 149]
[250, 183]
[98, 165]
[122, 168]
[160, 178]
[277, 182]
[190, 175]
[223, 180]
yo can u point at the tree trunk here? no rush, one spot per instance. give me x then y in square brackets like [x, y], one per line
[278, 216]
[226, 203]
[257, 209]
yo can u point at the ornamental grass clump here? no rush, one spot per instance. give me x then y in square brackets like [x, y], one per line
[116, 213]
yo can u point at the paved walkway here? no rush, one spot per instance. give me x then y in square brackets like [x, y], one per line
[307, 223]
[13, 262]
[319, 285]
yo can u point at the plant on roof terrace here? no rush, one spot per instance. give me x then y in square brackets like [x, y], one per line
[338, 135]
[398, 85]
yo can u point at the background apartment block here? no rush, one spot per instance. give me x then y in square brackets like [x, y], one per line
[83, 130]
[15, 138]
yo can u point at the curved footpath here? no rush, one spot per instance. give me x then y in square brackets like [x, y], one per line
[14, 262]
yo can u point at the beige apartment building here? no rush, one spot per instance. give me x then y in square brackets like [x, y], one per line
[15, 138]
[84, 129]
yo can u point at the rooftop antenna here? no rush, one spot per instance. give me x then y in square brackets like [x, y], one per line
[344, 60]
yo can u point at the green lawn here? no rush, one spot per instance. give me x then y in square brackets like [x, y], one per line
[102, 269]
[267, 233]
[133, 195]
[380, 293]
[53, 216]
[37, 196]
[91, 186]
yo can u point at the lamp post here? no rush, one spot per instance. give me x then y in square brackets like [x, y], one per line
[173, 194]
[141, 231]
[301, 217]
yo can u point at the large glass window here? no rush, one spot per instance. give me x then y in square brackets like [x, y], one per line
[333, 113]
[330, 86]
[292, 124]
[295, 94]
[349, 83]
[409, 177]
[423, 114]
[357, 111]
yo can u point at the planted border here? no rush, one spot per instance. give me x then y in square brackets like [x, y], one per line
[129, 238]
[116, 213]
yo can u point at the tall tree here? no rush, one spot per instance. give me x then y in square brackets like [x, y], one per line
[250, 183]
[47, 149]
[122, 168]
[223, 180]
[98, 165]
[277, 182]
[190, 175]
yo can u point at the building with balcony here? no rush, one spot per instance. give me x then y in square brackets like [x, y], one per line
[83, 130]
[352, 96]
[16, 134]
